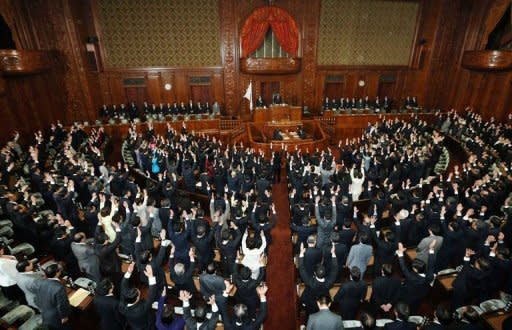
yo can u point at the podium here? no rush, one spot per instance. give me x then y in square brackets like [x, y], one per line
[277, 112]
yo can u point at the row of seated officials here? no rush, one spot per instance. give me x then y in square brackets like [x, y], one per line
[64, 200]
[132, 110]
[459, 221]
[377, 105]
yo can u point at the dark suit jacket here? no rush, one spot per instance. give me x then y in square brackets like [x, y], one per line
[107, 308]
[400, 325]
[138, 316]
[385, 290]
[349, 297]
[211, 284]
[229, 323]
[52, 298]
[108, 258]
[208, 324]
[185, 281]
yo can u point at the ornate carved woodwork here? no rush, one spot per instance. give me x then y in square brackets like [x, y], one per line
[23, 61]
[270, 65]
[487, 60]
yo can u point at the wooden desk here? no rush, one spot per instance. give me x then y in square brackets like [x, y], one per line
[84, 304]
[494, 320]
[411, 254]
[277, 112]
[446, 281]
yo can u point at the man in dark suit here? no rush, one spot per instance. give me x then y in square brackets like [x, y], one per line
[137, 311]
[385, 290]
[312, 256]
[317, 284]
[259, 102]
[401, 315]
[442, 319]
[107, 306]
[276, 135]
[52, 298]
[110, 264]
[242, 319]
[182, 277]
[199, 321]
[276, 98]
[471, 282]
[246, 286]
[417, 283]
[350, 296]
[324, 319]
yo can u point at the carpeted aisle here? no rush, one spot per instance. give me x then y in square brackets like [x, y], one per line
[281, 270]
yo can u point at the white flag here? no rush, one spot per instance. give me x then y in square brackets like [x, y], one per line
[248, 95]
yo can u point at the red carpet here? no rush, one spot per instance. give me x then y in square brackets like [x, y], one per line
[281, 270]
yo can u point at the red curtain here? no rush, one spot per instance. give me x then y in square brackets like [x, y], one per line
[285, 30]
[256, 26]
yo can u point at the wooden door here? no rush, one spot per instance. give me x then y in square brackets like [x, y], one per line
[333, 90]
[386, 88]
[268, 88]
[137, 94]
[200, 93]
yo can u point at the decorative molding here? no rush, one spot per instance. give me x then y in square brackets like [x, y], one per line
[229, 44]
[311, 22]
[23, 61]
[487, 60]
[270, 65]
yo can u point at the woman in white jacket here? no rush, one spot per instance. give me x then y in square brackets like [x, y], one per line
[357, 176]
[252, 253]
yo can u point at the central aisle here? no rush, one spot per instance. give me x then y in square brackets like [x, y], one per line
[281, 270]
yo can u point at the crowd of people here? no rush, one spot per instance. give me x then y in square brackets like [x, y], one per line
[90, 217]
[65, 201]
[147, 110]
[459, 220]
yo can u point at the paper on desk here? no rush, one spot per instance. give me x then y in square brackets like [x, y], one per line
[78, 297]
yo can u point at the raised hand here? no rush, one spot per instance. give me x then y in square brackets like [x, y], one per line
[185, 295]
[148, 271]
[262, 290]
[131, 267]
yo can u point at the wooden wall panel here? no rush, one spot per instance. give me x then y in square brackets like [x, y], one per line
[112, 84]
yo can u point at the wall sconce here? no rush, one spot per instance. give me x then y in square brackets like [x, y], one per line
[361, 83]
[167, 87]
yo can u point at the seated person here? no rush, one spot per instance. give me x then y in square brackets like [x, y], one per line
[300, 132]
[259, 102]
[276, 99]
[277, 135]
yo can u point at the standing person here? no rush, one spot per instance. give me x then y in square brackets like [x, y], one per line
[324, 319]
[52, 298]
[107, 306]
[136, 310]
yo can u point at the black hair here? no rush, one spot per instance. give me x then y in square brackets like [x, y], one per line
[21, 265]
[387, 269]
[419, 265]
[320, 271]
[200, 314]
[51, 270]
[355, 273]
[443, 315]
[131, 295]
[434, 228]
[402, 310]
[104, 287]
[245, 273]
[210, 268]
[367, 320]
